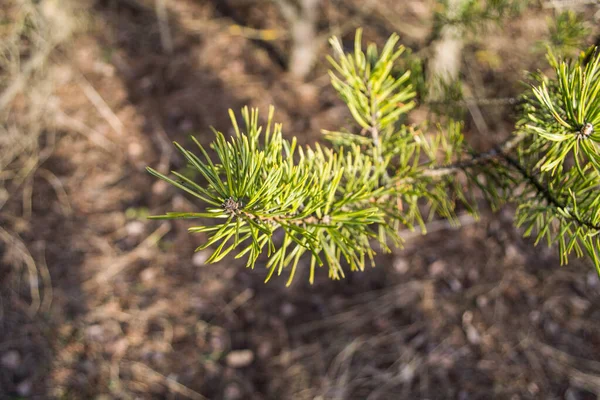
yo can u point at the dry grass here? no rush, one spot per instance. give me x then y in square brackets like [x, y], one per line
[27, 135]
[27, 140]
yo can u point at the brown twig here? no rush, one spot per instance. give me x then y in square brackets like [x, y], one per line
[166, 39]
[501, 153]
[171, 383]
[477, 159]
[103, 108]
[302, 17]
[545, 192]
[14, 242]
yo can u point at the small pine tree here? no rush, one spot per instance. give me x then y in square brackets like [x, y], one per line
[338, 204]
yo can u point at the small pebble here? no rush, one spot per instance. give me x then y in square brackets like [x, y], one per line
[472, 335]
[179, 202]
[159, 187]
[135, 228]
[24, 388]
[533, 388]
[11, 360]
[288, 310]
[592, 279]
[265, 350]
[186, 125]
[104, 68]
[408, 373]
[467, 317]
[232, 392]
[135, 149]
[401, 265]
[148, 274]
[199, 304]
[513, 255]
[552, 327]
[95, 332]
[455, 285]
[200, 257]
[217, 343]
[239, 358]
[473, 275]
[437, 267]
[482, 301]
[579, 305]
[534, 316]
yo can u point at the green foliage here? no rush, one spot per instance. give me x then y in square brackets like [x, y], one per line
[451, 98]
[255, 191]
[331, 203]
[561, 158]
[567, 32]
[339, 205]
[410, 61]
[375, 97]
[474, 14]
[562, 114]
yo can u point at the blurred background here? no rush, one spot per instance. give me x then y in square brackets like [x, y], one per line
[97, 302]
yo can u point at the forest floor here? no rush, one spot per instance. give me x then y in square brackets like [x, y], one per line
[99, 302]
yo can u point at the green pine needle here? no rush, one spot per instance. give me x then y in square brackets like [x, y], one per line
[338, 206]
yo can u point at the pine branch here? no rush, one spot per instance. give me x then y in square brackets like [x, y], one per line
[335, 204]
[546, 193]
[495, 153]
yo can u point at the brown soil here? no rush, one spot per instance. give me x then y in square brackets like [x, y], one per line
[474, 313]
